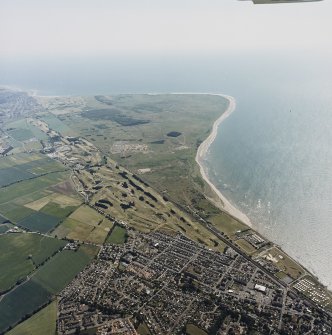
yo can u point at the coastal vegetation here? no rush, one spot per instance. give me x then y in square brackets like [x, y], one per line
[139, 173]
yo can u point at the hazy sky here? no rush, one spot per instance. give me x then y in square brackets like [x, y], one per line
[108, 27]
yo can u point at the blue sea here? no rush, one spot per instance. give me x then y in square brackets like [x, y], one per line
[272, 157]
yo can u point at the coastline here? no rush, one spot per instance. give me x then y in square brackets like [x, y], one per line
[200, 157]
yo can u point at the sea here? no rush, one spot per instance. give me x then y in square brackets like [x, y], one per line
[272, 157]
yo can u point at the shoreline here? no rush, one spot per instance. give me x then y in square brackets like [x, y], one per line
[227, 206]
[200, 157]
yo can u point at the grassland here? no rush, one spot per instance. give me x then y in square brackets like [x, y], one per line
[87, 215]
[21, 253]
[61, 269]
[143, 329]
[48, 280]
[21, 167]
[12, 308]
[246, 246]
[33, 196]
[194, 330]
[22, 130]
[41, 323]
[151, 181]
[84, 224]
[5, 227]
[29, 187]
[168, 162]
[284, 263]
[56, 124]
[39, 222]
[117, 236]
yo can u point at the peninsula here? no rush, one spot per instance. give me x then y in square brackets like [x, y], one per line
[109, 226]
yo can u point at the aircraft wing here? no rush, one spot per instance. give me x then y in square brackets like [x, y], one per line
[280, 1]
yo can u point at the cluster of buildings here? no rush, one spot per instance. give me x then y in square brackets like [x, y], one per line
[169, 281]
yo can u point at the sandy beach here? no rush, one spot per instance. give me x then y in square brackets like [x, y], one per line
[200, 157]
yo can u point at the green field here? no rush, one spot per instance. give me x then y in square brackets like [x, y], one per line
[3, 219]
[57, 125]
[42, 323]
[39, 222]
[21, 253]
[23, 130]
[194, 330]
[21, 134]
[28, 187]
[84, 224]
[30, 178]
[61, 269]
[80, 231]
[15, 212]
[18, 167]
[3, 228]
[57, 210]
[118, 235]
[143, 329]
[22, 301]
[49, 279]
[12, 175]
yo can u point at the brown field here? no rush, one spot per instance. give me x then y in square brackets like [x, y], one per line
[86, 215]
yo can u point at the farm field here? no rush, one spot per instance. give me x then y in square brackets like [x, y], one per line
[21, 253]
[84, 224]
[12, 175]
[63, 267]
[48, 280]
[39, 222]
[22, 130]
[56, 124]
[12, 310]
[80, 231]
[87, 215]
[41, 323]
[38, 204]
[29, 187]
[3, 228]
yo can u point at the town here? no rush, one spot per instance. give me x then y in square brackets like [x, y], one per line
[168, 282]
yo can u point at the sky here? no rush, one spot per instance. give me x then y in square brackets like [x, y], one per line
[70, 28]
